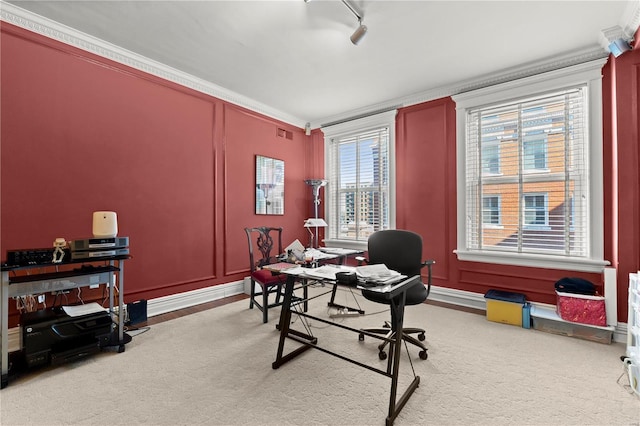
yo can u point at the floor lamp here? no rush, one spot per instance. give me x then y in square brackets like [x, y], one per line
[315, 184]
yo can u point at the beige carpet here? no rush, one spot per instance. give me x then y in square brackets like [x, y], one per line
[214, 368]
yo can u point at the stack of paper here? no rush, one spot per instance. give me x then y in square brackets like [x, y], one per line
[379, 273]
[86, 309]
[326, 272]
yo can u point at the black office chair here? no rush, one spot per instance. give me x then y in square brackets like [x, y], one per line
[262, 241]
[400, 251]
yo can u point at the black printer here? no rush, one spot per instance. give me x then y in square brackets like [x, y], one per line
[50, 336]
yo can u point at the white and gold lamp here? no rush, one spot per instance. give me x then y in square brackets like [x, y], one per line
[314, 222]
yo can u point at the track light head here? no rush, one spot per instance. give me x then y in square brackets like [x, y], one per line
[358, 34]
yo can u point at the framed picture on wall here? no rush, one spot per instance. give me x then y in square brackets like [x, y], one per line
[269, 185]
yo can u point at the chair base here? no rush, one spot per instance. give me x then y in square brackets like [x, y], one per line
[406, 336]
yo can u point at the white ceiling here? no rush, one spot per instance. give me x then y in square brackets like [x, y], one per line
[296, 58]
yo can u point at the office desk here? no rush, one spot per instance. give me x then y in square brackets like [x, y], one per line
[23, 285]
[339, 255]
[395, 292]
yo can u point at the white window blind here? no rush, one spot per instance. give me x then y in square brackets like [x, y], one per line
[532, 155]
[359, 184]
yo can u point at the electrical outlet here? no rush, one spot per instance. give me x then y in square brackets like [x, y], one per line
[41, 298]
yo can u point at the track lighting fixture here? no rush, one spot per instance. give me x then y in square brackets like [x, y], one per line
[360, 32]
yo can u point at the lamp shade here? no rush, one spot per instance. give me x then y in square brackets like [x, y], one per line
[315, 223]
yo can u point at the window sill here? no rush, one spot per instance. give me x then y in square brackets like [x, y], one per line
[534, 261]
[492, 226]
[349, 244]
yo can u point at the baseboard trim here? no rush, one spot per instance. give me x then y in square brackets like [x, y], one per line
[466, 299]
[462, 298]
[174, 302]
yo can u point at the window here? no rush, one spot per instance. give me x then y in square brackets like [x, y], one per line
[360, 194]
[491, 159]
[490, 210]
[536, 210]
[534, 154]
[530, 171]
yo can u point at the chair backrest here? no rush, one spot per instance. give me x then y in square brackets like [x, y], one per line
[399, 250]
[262, 250]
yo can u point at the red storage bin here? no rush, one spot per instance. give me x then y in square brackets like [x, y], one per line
[582, 308]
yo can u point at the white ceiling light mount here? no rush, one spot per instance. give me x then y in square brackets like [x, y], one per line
[361, 31]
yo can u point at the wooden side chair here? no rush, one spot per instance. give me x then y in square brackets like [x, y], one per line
[265, 245]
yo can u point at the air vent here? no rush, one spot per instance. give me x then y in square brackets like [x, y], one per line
[282, 133]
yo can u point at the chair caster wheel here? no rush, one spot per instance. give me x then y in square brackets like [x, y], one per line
[382, 355]
[361, 337]
[421, 337]
[423, 355]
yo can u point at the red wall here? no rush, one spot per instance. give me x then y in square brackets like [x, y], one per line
[426, 199]
[80, 133]
[622, 158]
[426, 203]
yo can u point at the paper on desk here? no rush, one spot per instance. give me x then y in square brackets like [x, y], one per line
[86, 309]
[378, 272]
[386, 286]
[338, 251]
[325, 272]
[317, 254]
[296, 246]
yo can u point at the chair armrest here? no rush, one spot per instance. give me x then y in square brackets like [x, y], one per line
[428, 263]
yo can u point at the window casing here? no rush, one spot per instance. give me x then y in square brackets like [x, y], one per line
[537, 144]
[360, 168]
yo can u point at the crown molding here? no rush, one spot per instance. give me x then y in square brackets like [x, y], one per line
[631, 19]
[628, 25]
[22, 18]
[35, 23]
[510, 74]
